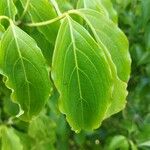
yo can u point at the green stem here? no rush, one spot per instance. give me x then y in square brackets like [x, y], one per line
[50, 21]
[4, 18]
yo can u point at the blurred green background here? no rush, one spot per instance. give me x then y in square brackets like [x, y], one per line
[127, 130]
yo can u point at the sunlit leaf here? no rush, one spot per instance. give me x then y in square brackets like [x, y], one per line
[115, 47]
[108, 34]
[23, 64]
[82, 76]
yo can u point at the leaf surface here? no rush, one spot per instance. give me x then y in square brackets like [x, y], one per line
[116, 51]
[82, 76]
[112, 38]
[8, 8]
[23, 64]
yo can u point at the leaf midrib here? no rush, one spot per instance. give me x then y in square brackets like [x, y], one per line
[76, 65]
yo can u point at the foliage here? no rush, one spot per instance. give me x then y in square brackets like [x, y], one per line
[70, 57]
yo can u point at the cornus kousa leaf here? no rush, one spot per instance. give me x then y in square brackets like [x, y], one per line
[24, 67]
[116, 51]
[82, 76]
[108, 34]
[8, 8]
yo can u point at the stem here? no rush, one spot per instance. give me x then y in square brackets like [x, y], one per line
[25, 9]
[50, 21]
[4, 17]
[45, 22]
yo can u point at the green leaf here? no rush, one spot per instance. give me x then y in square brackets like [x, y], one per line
[42, 10]
[82, 76]
[8, 8]
[108, 34]
[23, 64]
[100, 5]
[10, 141]
[45, 46]
[116, 51]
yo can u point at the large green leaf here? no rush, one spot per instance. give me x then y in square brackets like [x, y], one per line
[10, 141]
[108, 34]
[42, 10]
[113, 49]
[8, 8]
[82, 76]
[24, 67]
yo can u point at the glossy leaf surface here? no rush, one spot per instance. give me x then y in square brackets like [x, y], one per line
[82, 76]
[113, 49]
[112, 38]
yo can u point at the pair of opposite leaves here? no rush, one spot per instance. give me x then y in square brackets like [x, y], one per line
[89, 74]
